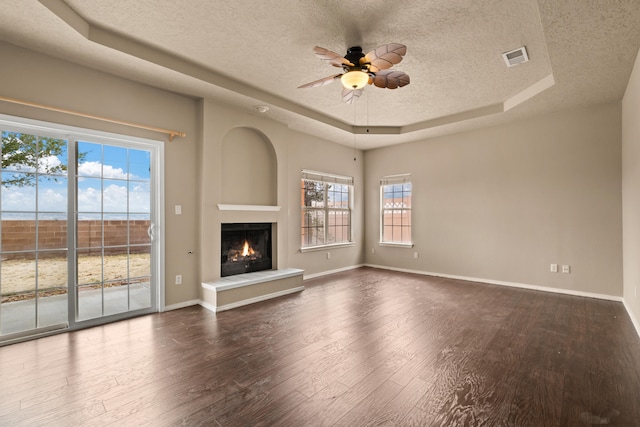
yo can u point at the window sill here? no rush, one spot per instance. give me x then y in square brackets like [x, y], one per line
[396, 245]
[324, 247]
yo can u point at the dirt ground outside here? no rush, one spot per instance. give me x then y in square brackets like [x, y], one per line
[19, 276]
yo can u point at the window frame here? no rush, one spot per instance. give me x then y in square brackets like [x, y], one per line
[327, 179]
[401, 179]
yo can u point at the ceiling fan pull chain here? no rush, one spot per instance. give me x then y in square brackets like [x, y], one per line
[354, 131]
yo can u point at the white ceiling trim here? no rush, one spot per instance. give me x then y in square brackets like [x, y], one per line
[501, 107]
[113, 40]
[126, 45]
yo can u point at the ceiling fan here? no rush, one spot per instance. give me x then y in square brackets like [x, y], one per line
[360, 69]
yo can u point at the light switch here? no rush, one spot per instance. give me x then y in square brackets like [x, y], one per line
[178, 209]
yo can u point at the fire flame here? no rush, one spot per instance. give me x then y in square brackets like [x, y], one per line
[246, 249]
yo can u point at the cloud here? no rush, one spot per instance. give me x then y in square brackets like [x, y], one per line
[45, 164]
[114, 198]
[97, 170]
[18, 199]
[52, 200]
[49, 163]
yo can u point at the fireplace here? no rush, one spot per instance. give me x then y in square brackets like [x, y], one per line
[245, 248]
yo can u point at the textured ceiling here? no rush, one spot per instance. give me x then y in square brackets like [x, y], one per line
[248, 53]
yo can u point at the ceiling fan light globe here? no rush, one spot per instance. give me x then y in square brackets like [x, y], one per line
[354, 79]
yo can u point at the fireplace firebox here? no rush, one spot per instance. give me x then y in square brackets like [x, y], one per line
[246, 248]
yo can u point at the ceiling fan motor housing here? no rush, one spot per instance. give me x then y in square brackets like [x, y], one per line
[353, 55]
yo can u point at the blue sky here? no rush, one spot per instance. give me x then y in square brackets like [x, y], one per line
[110, 179]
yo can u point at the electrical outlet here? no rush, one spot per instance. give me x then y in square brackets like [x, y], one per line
[554, 268]
[373, 250]
[178, 279]
[415, 255]
[328, 255]
[566, 269]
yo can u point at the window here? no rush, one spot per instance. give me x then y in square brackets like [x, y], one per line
[395, 201]
[325, 209]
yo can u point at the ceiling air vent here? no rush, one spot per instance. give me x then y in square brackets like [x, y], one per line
[515, 57]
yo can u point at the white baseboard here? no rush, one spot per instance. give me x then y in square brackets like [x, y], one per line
[181, 305]
[635, 322]
[325, 273]
[208, 306]
[212, 308]
[503, 283]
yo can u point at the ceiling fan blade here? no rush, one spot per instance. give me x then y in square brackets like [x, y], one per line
[331, 57]
[349, 96]
[391, 79]
[321, 82]
[384, 57]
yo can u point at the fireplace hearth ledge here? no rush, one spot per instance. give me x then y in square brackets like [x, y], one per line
[243, 289]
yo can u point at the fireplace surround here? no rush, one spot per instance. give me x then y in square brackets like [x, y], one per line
[245, 248]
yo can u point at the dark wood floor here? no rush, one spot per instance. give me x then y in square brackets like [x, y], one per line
[364, 347]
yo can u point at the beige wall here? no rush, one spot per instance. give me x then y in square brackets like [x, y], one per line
[631, 193]
[33, 77]
[503, 203]
[499, 203]
[294, 151]
[307, 152]
[249, 170]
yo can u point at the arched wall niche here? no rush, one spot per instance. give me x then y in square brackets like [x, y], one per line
[249, 168]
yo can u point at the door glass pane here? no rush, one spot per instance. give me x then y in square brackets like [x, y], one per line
[140, 276]
[89, 266]
[140, 197]
[115, 197]
[89, 159]
[116, 233]
[116, 281]
[52, 288]
[89, 231]
[17, 196]
[89, 195]
[89, 283]
[52, 157]
[140, 264]
[89, 301]
[139, 233]
[116, 267]
[17, 309]
[139, 165]
[52, 231]
[52, 195]
[33, 266]
[115, 162]
[18, 232]
[116, 298]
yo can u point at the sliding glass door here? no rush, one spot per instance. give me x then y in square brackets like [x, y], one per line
[77, 215]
